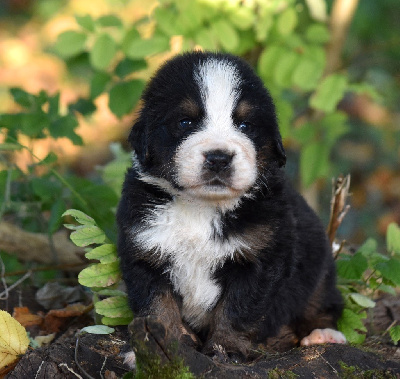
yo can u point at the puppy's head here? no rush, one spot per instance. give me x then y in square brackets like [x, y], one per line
[207, 128]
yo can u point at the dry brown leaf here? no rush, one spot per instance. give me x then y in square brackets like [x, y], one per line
[56, 318]
[45, 340]
[25, 317]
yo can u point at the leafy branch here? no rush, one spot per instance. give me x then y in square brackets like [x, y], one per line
[102, 278]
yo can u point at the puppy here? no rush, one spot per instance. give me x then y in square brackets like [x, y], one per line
[212, 238]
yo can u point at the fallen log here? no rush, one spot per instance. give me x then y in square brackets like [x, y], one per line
[38, 247]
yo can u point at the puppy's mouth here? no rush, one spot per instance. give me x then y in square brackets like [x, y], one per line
[215, 189]
[217, 183]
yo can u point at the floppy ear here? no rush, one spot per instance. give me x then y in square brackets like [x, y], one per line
[138, 140]
[279, 151]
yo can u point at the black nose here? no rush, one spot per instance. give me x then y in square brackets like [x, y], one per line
[217, 160]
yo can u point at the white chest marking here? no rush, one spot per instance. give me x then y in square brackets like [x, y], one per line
[184, 233]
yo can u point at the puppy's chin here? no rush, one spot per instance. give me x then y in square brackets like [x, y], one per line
[214, 193]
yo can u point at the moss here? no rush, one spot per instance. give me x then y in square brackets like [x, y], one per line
[150, 366]
[278, 373]
[355, 372]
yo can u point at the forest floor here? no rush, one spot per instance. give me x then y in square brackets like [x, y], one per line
[74, 355]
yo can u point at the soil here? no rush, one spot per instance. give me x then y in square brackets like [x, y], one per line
[74, 355]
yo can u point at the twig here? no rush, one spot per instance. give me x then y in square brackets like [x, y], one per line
[341, 16]
[76, 359]
[339, 208]
[40, 367]
[102, 367]
[389, 327]
[61, 267]
[3, 278]
[70, 370]
[4, 294]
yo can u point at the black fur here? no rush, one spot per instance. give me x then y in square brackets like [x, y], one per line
[289, 281]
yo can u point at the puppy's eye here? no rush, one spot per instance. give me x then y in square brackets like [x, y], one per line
[186, 123]
[244, 126]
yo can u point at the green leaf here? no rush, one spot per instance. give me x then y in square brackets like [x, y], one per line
[113, 173]
[166, 21]
[33, 124]
[22, 97]
[100, 275]
[284, 111]
[393, 238]
[127, 66]
[135, 47]
[226, 34]
[329, 92]
[307, 73]
[351, 267]
[70, 43]
[386, 288]
[80, 217]
[116, 306]
[86, 22]
[366, 89]
[284, 68]
[206, 39]
[55, 219]
[10, 147]
[287, 21]
[88, 235]
[54, 105]
[263, 26]
[97, 329]
[318, 9]
[368, 248]
[82, 106]
[334, 126]
[314, 162]
[49, 159]
[62, 126]
[390, 270]
[351, 325]
[268, 59]
[188, 18]
[99, 83]
[45, 188]
[318, 33]
[395, 334]
[105, 253]
[103, 52]
[362, 300]
[109, 20]
[124, 96]
[242, 17]
[114, 321]
[305, 133]
[111, 292]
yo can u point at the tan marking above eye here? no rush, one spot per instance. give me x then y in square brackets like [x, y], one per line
[243, 110]
[190, 108]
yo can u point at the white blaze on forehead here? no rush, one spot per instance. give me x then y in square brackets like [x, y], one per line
[219, 82]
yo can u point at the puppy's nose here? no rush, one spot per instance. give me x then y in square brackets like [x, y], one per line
[217, 160]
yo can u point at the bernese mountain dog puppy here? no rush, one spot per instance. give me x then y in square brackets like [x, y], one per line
[212, 238]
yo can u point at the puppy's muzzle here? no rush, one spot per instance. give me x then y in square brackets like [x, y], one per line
[217, 161]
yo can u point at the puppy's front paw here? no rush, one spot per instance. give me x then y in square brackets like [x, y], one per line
[319, 336]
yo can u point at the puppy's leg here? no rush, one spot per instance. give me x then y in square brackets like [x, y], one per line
[165, 308]
[224, 338]
[318, 324]
[319, 336]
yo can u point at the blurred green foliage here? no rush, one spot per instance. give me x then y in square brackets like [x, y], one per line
[286, 41]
